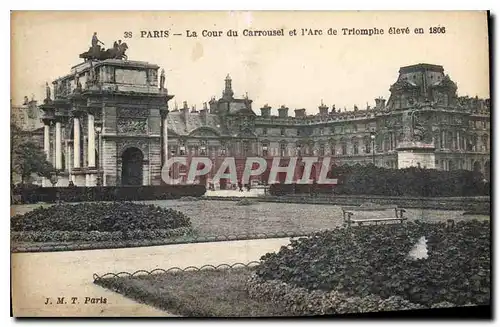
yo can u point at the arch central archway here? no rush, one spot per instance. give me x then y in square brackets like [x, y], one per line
[132, 167]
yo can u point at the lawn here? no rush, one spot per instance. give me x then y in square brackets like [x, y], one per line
[208, 293]
[211, 218]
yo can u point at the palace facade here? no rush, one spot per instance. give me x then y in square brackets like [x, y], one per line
[109, 123]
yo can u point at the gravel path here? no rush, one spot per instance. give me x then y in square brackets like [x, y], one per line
[38, 276]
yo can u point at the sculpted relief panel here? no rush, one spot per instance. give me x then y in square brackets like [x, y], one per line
[132, 126]
[130, 76]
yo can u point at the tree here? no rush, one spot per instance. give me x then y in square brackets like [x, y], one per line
[27, 157]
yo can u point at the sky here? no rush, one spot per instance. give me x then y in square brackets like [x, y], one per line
[295, 71]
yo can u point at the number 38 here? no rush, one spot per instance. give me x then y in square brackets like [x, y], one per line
[127, 35]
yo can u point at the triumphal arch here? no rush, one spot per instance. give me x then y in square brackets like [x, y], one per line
[106, 121]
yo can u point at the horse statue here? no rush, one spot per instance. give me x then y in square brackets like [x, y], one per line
[98, 53]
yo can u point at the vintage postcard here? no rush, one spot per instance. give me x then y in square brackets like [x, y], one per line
[250, 164]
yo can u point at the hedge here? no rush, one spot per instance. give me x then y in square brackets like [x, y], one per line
[362, 180]
[105, 193]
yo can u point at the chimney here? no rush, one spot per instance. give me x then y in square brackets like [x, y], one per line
[193, 109]
[333, 109]
[323, 110]
[379, 103]
[283, 112]
[213, 106]
[265, 111]
[300, 113]
[203, 115]
[184, 110]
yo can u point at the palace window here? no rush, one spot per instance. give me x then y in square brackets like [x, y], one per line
[246, 148]
[264, 131]
[368, 145]
[332, 130]
[173, 150]
[282, 132]
[485, 142]
[203, 148]
[344, 149]
[321, 131]
[282, 149]
[182, 150]
[355, 147]
[222, 149]
[264, 149]
[322, 150]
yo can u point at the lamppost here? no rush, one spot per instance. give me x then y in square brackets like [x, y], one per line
[372, 137]
[98, 130]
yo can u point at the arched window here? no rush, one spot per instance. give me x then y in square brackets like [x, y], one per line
[321, 149]
[344, 147]
[332, 147]
[485, 140]
[368, 144]
[355, 146]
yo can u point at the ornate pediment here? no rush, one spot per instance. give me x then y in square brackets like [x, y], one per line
[403, 85]
[447, 83]
[247, 133]
[204, 132]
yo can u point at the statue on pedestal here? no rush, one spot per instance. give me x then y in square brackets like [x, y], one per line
[162, 79]
[47, 92]
[78, 85]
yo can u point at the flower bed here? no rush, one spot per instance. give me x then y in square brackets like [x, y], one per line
[371, 267]
[67, 236]
[98, 222]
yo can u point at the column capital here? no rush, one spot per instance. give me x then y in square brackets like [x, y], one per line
[164, 113]
[47, 121]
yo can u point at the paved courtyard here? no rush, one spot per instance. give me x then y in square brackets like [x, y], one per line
[254, 192]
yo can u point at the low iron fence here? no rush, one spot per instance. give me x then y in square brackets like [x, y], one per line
[143, 272]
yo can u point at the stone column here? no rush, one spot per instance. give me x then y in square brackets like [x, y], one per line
[76, 142]
[165, 139]
[58, 147]
[68, 156]
[443, 139]
[458, 140]
[84, 145]
[46, 140]
[91, 141]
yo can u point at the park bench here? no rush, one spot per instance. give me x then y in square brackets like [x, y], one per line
[349, 211]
